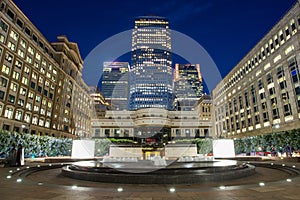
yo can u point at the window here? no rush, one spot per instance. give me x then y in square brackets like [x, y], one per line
[24, 80]
[30, 95]
[9, 112]
[3, 82]
[11, 99]
[21, 53]
[274, 102]
[8, 57]
[40, 89]
[19, 23]
[29, 59]
[257, 119]
[27, 31]
[38, 98]
[265, 117]
[269, 78]
[280, 72]
[16, 75]
[3, 26]
[34, 38]
[285, 97]
[2, 38]
[297, 90]
[107, 132]
[287, 110]
[29, 106]
[26, 70]
[12, 46]
[10, 14]
[31, 50]
[32, 85]
[21, 102]
[18, 64]
[38, 56]
[5, 70]
[19, 115]
[35, 120]
[282, 85]
[27, 118]
[14, 87]
[275, 113]
[272, 91]
[14, 35]
[2, 94]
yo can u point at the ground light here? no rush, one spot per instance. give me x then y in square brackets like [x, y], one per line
[289, 180]
[222, 187]
[8, 177]
[172, 190]
[74, 187]
[261, 184]
[120, 189]
[19, 180]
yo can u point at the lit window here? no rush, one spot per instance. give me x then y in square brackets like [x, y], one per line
[5, 69]
[14, 87]
[23, 43]
[21, 53]
[12, 46]
[24, 80]
[14, 35]
[31, 50]
[29, 106]
[19, 115]
[16, 75]
[27, 118]
[9, 112]
[35, 120]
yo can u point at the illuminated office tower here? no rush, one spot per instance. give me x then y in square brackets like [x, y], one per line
[188, 86]
[115, 84]
[151, 72]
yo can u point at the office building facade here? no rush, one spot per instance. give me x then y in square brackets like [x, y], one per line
[151, 68]
[156, 124]
[114, 84]
[262, 93]
[188, 86]
[42, 91]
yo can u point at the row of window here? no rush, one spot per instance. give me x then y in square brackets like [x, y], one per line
[269, 47]
[26, 117]
[21, 25]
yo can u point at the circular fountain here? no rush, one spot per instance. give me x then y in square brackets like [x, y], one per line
[158, 170]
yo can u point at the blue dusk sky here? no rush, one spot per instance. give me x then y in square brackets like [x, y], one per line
[226, 29]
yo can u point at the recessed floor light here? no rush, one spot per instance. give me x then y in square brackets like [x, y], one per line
[222, 187]
[19, 180]
[74, 187]
[120, 189]
[261, 184]
[172, 190]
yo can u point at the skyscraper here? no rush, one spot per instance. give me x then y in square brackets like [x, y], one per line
[115, 84]
[188, 86]
[151, 69]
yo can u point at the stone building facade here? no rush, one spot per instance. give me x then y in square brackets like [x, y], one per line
[262, 92]
[41, 85]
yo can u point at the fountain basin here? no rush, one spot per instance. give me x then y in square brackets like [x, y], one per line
[145, 172]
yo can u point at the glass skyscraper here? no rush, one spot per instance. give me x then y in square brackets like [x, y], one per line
[188, 87]
[114, 86]
[151, 84]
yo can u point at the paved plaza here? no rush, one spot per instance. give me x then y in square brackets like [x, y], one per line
[48, 183]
